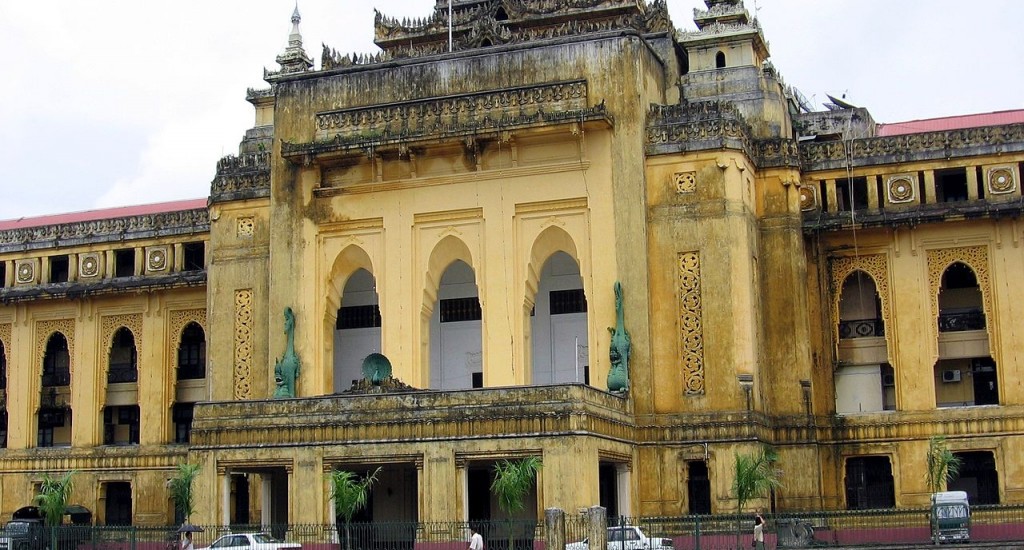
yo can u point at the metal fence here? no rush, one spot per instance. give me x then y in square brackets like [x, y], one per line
[848, 528]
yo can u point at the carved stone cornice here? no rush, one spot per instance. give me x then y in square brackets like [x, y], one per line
[36, 461]
[988, 140]
[163, 224]
[418, 416]
[704, 125]
[241, 177]
[452, 117]
[75, 290]
[817, 221]
[495, 22]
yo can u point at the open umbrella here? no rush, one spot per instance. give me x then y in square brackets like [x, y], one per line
[189, 528]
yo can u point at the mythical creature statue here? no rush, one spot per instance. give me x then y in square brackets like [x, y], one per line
[618, 376]
[286, 371]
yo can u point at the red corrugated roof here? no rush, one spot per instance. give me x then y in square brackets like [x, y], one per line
[103, 214]
[951, 123]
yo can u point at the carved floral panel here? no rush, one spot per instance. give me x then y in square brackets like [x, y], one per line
[45, 329]
[975, 257]
[243, 344]
[1001, 179]
[901, 188]
[158, 259]
[89, 265]
[691, 324]
[685, 182]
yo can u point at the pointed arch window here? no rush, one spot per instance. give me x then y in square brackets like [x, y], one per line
[192, 353]
[720, 60]
[123, 360]
[56, 362]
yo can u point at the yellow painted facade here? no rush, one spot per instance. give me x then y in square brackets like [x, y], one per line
[799, 279]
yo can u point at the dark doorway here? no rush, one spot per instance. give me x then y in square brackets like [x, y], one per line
[978, 476]
[869, 483]
[986, 388]
[479, 494]
[118, 507]
[698, 487]
[240, 504]
[609, 491]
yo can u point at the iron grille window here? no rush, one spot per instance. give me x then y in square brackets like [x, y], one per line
[869, 483]
[951, 321]
[192, 353]
[861, 328]
[568, 301]
[455, 310]
[181, 414]
[350, 317]
[49, 418]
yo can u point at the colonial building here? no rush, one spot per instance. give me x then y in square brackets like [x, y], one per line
[573, 232]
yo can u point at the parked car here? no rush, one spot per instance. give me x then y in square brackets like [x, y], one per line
[251, 541]
[626, 537]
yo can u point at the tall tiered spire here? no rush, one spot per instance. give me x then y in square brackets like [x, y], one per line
[294, 58]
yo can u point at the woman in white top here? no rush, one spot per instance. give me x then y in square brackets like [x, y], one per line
[758, 532]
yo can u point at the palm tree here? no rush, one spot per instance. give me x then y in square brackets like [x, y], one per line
[943, 465]
[755, 475]
[181, 490]
[349, 492]
[53, 496]
[513, 480]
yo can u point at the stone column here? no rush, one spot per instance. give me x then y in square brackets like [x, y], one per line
[554, 528]
[972, 183]
[225, 498]
[597, 527]
[872, 183]
[830, 195]
[928, 195]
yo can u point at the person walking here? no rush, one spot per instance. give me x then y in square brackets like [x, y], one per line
[476, 542]
[186, 543]
[758, 543]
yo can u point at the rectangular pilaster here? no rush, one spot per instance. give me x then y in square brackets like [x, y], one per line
[928, 188]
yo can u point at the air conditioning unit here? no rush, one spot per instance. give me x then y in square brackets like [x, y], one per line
[888, 380]
[950, 376]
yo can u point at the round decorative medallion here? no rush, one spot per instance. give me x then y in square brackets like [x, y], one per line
[90, 266]
[24, 273]
[157, 260]
[1000, 180]
[901, 190]
[807, 201]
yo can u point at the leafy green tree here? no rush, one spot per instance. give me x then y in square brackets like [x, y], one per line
[181, 490]
[53, 496]
[755, 476]
[513, 480]
[943, 465]
[349, 491]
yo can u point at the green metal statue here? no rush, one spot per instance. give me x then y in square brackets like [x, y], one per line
[618, 376]
[286, 371]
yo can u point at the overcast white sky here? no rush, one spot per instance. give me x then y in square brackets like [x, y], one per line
[115, 102]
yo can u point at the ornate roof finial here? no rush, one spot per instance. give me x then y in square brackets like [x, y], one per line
[294, 58]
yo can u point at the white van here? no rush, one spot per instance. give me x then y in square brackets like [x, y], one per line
[951, 517]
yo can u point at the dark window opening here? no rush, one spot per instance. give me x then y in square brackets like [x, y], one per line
[824, 196]
[698, 487]
[3, 428]
[3, 367]
[869, 483]
[56, 362]
[193, 256]
[181, 415]
[500, 14]
[980, 181]
[124, 262]
[852, 194]
[888, 387]
[192, 353]
[960, 306]
[123, 361]
[350, 317]
[455, 310]
[3, 274]
[978, 477]
[121, 425]
[567, 301]
[720, 60]
[951, 185]
[59, 269]
[51, 418]
[479, 480]
[986, 384]
[485, 43]
[118, 506]
[478, 379]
